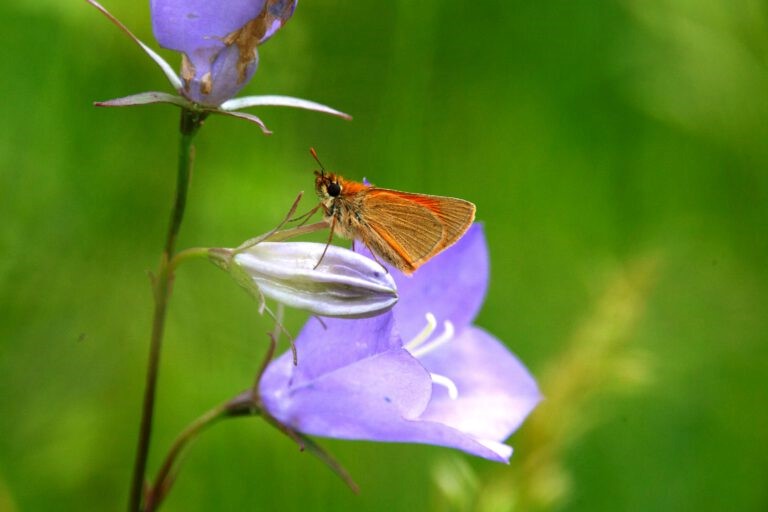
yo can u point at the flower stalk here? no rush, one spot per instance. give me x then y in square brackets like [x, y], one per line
[162, 285]
[245, 404]
[166, 475]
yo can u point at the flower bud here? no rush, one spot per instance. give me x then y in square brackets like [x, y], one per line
[345, 284]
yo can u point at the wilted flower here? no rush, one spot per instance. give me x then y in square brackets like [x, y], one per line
[358, 380]
[218, 42]
[345, 284]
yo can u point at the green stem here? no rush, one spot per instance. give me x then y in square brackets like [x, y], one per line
[188, 126]
[194, 252]
[162, 285]
[165, 476]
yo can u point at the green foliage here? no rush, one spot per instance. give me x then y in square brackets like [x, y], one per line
[591, 135]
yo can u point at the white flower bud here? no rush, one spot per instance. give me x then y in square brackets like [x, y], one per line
[345, 284]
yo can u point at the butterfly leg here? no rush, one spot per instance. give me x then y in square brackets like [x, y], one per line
[264, 363]
[373, 255]
[305, 216]
[320, 319]
[253, 241]
[279, 327]
[330, 239]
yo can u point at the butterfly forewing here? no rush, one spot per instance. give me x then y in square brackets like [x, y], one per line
[456, 215]
[415, 226]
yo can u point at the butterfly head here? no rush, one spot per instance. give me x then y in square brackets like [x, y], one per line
[328, 187]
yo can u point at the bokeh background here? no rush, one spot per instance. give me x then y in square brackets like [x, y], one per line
[617, 153]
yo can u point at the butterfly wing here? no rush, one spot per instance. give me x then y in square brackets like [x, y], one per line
[409, 229]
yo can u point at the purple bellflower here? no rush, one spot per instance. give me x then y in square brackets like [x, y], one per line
[421, 373]
[218, 42]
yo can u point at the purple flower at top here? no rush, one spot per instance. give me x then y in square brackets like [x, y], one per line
[421, 373]
[218, 41]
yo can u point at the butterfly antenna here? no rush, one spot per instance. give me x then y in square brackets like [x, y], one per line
[314, 155]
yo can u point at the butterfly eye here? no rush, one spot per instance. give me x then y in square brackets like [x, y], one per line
[334, 189]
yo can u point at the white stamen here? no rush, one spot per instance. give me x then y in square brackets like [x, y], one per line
[448, 384]
[441, 340]
[420, 346]
[425, 333]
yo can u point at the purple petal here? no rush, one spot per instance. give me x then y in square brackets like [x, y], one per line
[144, 98]
[427, 432]
[187, 26]
[451, 286]
[350, 361]
[278, 12]
[496, 392]
[280, 101]
[216, 83]
[377, 398]
[341, 342]
[198, 27]
[354, 400]
[218, 39]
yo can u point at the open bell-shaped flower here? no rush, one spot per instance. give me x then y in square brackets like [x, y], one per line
[218, 42]
[454, 385]
[345, 284]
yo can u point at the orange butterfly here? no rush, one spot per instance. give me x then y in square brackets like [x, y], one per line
[406, 230]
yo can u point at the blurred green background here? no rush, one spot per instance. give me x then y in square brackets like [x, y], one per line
[616, 152]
